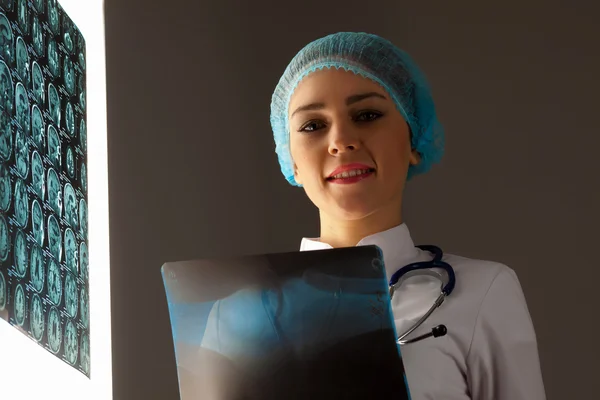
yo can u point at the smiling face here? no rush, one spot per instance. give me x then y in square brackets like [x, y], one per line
[341, 120]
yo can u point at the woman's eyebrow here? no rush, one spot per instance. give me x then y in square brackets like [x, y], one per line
[349, 101]
[309, 107]
[359, 97]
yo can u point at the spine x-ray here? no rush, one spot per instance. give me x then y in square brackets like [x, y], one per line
[43, 183]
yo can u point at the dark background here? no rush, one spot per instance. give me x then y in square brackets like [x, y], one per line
[193, 172]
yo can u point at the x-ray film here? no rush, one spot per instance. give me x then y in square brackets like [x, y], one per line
[43, 184]
[299, 325]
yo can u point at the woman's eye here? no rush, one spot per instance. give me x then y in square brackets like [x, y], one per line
[311, 126]
[366, 116]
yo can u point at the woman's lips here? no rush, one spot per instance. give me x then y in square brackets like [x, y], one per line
[353, 176]
[349, 168]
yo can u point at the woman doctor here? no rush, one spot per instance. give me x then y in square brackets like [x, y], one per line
[353, 120]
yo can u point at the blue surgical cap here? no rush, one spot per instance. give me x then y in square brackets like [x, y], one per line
[374, 58]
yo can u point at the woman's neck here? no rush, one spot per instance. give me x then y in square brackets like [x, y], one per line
[347, 233]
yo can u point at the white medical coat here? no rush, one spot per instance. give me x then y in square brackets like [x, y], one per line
[490, 351]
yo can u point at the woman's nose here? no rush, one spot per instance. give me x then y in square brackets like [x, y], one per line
[343, 138]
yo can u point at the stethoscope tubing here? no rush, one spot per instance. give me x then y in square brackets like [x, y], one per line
[445, 290]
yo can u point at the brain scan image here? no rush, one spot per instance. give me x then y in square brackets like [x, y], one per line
[71, 163]
[23, 16]
[21, 255]
[53, 19]
[82, 60]
[21, 203]
[39, 5]
[71, 251]
[38, 127]
[37, 222]
[68, 36]
[20, 306]
[54, 104]
[83, 135]
[37, 265]
[37, 78]
[54, 238]
[54, 192]
[69, 75]
[84, 308]
[6, 39]
[54, 147]
[83, 256]
[53, 58]
[5, 188]
[70, 120]
[83, 175]
[7, 4]
[6, 137]
[22, 154]
[22, 106]
[54, 330]
[37, 175]
[3, 292]
[70, 205]
[83, 218]
[71, 295]
[38, 37]
[84, 358]
[6, 88]
[4, 239]
[54, 282]
[82, 98]
[22, 60]
[37, 318]
[71, 343]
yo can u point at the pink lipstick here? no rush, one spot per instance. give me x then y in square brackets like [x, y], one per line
[350, 173]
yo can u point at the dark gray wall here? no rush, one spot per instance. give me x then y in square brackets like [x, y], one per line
[193, 172]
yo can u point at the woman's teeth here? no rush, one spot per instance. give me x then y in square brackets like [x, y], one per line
[350, 174]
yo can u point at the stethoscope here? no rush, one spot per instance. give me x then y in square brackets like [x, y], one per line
[446, 287]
